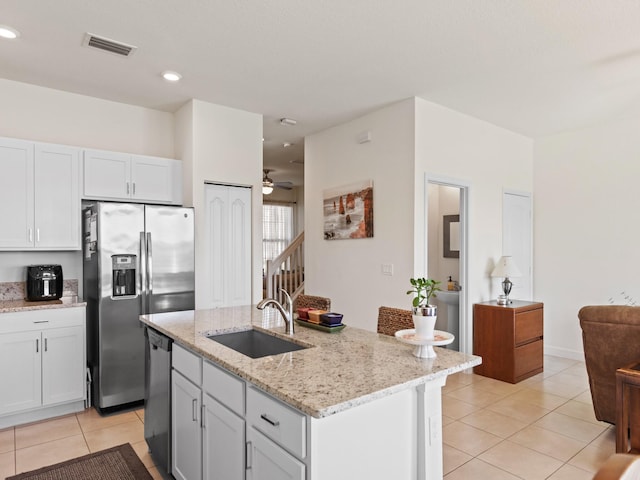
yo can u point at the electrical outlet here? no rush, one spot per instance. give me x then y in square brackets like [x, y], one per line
[387, 268]
[434, 429]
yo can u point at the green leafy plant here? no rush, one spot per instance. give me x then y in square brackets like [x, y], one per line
[423, 289]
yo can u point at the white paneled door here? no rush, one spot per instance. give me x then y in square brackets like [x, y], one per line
[517, 241]
[228, 246]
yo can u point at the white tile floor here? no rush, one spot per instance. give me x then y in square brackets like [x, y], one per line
[541, 428]
[36, 445]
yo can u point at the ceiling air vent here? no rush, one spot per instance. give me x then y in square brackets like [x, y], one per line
[108, 45]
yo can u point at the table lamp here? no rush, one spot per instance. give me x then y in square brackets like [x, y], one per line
[506, 268]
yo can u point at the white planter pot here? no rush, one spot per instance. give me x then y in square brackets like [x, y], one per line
[424, 320]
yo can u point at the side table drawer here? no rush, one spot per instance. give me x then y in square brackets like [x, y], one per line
[529, 326]
[528, 360]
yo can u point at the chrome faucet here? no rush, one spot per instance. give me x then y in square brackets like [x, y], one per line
[287, 315]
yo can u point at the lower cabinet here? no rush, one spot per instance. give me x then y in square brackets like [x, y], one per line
[186, 442]
[42, 362]
[221, 432]
[223, 441]
[21, 371]
[267, 461]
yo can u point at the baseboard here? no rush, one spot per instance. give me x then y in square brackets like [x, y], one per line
[564, 353]
[40, 414]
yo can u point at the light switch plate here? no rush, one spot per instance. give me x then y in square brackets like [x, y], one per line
[387, 268]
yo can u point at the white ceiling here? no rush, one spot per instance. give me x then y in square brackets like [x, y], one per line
[532, 66]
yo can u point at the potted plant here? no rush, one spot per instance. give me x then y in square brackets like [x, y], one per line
[424, 314]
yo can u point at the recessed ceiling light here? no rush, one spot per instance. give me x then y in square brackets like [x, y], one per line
[170, 76]
[8, 32]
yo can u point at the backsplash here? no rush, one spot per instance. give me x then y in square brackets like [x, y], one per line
[17, 290]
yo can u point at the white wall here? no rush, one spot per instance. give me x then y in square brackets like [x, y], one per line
[487, 158]
[42, 114]
[221, 145]
[410, 140]
[349, 271]
[586, 227]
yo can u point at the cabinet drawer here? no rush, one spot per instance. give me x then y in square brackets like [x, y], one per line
[187, 363]
[529, 326]
[528, 360]
[41, 319]
[224, 387]
[277, 421]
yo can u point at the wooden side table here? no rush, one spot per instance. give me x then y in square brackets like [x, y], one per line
[509, 339]
[628, 409]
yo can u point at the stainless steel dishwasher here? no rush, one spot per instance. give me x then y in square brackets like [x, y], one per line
[157, 398]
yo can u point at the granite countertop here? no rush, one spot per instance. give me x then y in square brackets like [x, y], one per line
[23, 305]
[12, 297]
[339, 371]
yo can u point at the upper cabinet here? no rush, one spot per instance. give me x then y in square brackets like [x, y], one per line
[138, 178]
[39, 196]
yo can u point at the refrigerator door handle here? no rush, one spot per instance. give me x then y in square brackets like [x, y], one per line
[143, 274]
[149, 266]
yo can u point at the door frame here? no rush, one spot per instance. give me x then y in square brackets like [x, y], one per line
[465, 326]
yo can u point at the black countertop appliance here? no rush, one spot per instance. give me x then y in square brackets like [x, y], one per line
[44, 282]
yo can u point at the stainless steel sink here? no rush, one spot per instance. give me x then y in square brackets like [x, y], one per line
[255, 344]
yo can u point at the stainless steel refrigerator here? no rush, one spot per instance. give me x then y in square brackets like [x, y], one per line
[137, 259]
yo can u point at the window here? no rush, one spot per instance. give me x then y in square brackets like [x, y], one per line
[277, 230]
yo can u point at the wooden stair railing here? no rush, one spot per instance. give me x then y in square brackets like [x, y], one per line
[286, 271]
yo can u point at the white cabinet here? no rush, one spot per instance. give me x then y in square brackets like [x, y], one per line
[137, 178]
[213, 438]
[228, 252]
[39, 196]
[223, 441]
[186, 414]
[208, 439]
[62, 364]
[42, 363]
[186, 441]
[20, 371]
[272, 428]
[268, 461]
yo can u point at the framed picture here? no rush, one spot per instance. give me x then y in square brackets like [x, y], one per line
[348, 211]
[451, 232]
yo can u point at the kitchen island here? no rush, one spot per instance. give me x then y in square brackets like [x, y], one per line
[371, 409]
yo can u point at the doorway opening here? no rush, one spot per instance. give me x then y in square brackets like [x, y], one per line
[447, 255]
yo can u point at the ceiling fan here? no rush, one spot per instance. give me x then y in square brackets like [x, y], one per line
[268, 184]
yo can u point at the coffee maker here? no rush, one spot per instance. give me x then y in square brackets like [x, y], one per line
[44, 282]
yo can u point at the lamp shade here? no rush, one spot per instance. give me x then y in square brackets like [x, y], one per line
[506, 268]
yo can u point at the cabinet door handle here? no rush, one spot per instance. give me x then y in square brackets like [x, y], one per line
[45, 344]
[30, 235]
[248, 461]
[134, 188]
[127, 188]
[266, 418]
[202, 412]
[37, 345]
[37, 235]
[194, 409]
